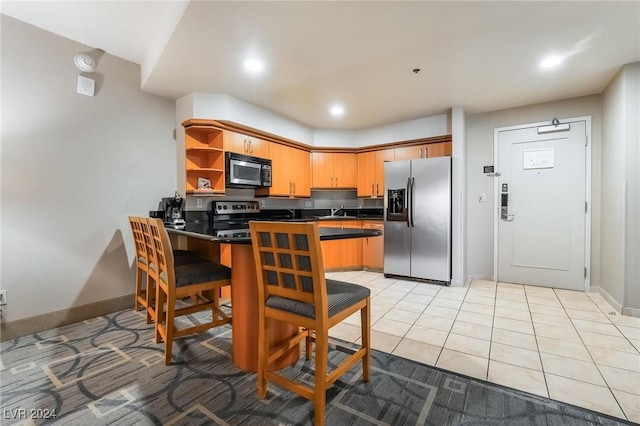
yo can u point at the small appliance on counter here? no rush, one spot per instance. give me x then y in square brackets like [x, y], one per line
[173, 207]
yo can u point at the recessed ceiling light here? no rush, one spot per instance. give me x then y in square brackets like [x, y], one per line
[253, 65]
[337, 110]
[551, 61]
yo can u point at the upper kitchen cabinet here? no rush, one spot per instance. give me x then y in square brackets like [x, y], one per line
[246, 145]
[333, 170]
[370, 166]
[204, 160]
[290, 172]
[438, 149]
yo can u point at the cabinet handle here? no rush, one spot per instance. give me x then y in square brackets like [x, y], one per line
[377, 189]
[245, 145]
[250, 146]
[421, 155]
[294, 187]
[290, 188]
[372, 190]
[336, 178]
[426, 153]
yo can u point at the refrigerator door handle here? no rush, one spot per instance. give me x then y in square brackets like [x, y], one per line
[413, 185]
[408, 202]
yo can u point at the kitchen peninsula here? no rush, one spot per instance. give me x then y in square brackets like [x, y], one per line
[244, 291]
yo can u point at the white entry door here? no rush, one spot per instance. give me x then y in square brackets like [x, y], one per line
[542, 205]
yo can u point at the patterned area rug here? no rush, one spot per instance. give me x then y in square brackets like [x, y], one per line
[109, 371]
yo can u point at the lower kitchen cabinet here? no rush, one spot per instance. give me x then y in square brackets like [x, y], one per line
[342, 254]
[373, 247]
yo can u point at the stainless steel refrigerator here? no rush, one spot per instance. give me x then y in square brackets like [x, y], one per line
[417, 219]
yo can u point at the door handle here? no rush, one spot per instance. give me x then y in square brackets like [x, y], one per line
[504, 208]
[413, 184]
[408, 202]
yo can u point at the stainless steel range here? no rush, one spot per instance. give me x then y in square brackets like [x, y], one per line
[230, 219]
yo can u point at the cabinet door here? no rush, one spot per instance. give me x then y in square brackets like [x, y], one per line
[439, 149]
[280, 172]
[366, 169]
[330, 249]
[257, 147]
[408, 153]
[351, 249]
[235, 142]
[344, 170]
[322, 170]
[300, 164]
[373, 248]
[381, 156]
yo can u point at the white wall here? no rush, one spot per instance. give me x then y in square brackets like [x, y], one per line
[621, 189]
[225, 107]
[480, 153]
[73, 169]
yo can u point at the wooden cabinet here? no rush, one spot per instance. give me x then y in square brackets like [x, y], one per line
[290, 172]
[333, 170]
[351, 249]
[439, 149]
[370, 168]
[246, 145]
[330, 249]
[204, 160]
[373, 247]
[342, 254]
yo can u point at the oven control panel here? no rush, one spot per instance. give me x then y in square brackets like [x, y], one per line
[233, 207]
[233, 233]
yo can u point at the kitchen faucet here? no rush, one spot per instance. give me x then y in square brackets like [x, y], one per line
[334, 211]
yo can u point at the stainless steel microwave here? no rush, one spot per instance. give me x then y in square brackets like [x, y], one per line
[243, 171]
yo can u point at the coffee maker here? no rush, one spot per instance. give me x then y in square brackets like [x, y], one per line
[173, 211]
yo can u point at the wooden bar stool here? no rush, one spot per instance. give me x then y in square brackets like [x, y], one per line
[292, 288]
[143, 297]
[197, 283]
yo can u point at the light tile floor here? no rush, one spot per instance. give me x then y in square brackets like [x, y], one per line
[566, 345]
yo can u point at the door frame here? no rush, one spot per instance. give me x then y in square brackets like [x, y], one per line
[496, 192]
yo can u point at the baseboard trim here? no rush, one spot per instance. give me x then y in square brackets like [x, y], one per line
[457, 283]
[23, 327]
[632, 312]
[606, 296]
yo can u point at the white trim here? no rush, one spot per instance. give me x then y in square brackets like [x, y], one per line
[496, 192]
[457, 283]
[617, 306]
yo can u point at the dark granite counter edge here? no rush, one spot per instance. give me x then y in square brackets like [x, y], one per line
[325, 234]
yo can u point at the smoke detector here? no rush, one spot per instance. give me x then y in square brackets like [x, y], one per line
[84, 62]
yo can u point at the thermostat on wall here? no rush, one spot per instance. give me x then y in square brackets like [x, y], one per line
[86, 86]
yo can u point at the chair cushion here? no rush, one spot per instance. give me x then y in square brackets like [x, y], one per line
[198, 273]
[184, 257]
[340, 296]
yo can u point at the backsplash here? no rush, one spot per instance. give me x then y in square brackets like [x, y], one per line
[319, 200]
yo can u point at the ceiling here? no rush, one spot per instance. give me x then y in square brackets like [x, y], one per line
[481, 56]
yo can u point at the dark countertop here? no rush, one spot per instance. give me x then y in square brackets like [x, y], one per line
[325, 234]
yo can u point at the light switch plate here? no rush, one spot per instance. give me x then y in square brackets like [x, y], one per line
[482, 198]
